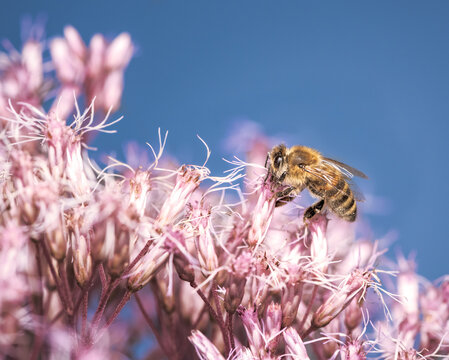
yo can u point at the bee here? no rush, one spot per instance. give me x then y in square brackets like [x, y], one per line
[301, 167]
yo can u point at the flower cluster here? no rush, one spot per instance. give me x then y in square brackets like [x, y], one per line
[155, 260]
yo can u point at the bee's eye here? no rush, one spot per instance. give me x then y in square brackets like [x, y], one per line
[278, 161]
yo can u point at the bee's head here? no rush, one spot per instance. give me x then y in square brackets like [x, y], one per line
[278, 162]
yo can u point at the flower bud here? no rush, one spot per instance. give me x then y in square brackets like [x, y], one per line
[57, 243]
[200, 221]
[112, 90]
[187, 182]
[75, 42]
[50, 282]
[119, 52]
[32, 59]
[291, 298]
[253, 331]
[294, 344]
[97, 51]
[54, 234]
[148, 266]
[183, 268]
[118, 259]
[69, 68]
[237, 281]
[165, 295]
[204, 348]
[272, 329]
[353, 313]
[262, 215]
[82, 261]
[356, 283]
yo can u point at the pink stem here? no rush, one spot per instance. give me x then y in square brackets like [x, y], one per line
[307, 332]
[216, 300]
[113, 284]
[39, 302]
[102, 305]
[102, 276]
[206, 301]
[65, 285]
[218, 319]
[125, 298]
[84, 291]
[231, 331]
[221, 322]
[151, 324]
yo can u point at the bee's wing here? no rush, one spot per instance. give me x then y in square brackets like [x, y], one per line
[327, 173]
[358, 195]
[348, 171]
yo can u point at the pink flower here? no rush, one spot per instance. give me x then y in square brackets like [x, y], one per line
[94, 260]
[356, 283]
[254, 333]
[149, 265]
[261, 215]
[201, 227]
[22, 77]
[97, 69]
[187, 182]
[272, 326]
[352, 350]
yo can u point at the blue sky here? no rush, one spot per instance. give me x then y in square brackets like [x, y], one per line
[364, 82]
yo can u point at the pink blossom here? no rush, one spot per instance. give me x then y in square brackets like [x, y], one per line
[262, 215]
[22, 77]
[188, 180]
[356, 283]
[100, 259]
[353, 350]
[96, 69]
[199, 218]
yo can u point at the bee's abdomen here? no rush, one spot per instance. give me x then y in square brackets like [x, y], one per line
[341, 201]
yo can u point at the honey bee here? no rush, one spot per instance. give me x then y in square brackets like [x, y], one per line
[301, 167]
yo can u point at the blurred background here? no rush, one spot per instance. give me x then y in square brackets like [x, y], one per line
[364, 82]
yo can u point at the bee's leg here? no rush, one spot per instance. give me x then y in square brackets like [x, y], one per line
[284, 200]
[314, 209]
[266, 160]
[283, 197]
[282, 177]
[268, 170]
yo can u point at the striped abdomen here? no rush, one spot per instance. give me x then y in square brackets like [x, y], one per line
[338, 196]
